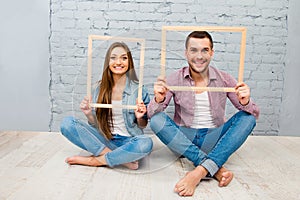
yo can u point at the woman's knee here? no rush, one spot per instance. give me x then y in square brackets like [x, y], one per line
[66, 125]
[145, 144]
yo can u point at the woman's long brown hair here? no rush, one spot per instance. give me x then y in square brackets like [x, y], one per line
[104, 115]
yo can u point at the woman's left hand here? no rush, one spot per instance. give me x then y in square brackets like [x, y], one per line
[141, 109]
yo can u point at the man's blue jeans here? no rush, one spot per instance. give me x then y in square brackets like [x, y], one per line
[209, 147]
[124, 149]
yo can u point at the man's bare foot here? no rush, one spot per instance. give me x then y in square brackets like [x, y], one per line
[187, 185]
[85, 160]
[224, 176]
[132, 165]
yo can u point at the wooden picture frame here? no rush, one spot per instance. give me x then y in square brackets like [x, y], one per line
[243, 30]
[89, 68]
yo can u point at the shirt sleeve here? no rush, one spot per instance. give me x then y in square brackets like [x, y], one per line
[251, 107]
[155, 107]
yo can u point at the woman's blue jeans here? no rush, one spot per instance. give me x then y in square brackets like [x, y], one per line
[124, 149]
[209, 147]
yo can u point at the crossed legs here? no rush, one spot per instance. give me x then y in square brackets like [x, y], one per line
[120, 150]
[229, 138]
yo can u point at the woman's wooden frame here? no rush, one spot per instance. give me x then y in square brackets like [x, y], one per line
[89, 68]
[243, 30]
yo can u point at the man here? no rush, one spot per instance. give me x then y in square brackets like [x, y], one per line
[199, 131]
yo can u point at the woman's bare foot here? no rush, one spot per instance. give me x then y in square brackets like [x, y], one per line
[187, 185]
[132, 165]
[85, 160]
[224, 176]
[96, 161]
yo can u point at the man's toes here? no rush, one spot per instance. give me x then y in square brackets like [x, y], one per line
[187, 192]
[179, 189]
[182, 193]
[226, 179]
[226, 174]
[222, 182]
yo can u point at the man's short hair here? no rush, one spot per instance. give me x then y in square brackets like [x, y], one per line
[201, 35]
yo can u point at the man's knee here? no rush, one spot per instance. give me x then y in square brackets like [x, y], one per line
[248, 122]
[157, 122]
[249, 118]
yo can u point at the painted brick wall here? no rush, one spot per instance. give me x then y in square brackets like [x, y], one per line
[266, 21]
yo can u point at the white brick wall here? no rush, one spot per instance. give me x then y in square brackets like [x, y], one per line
[266, 20]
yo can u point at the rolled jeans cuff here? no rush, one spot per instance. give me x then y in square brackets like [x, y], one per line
[108, 161]
[210, 166]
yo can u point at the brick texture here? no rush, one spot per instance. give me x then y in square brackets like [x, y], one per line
[73, 21]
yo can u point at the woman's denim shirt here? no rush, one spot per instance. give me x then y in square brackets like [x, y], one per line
[130, 95]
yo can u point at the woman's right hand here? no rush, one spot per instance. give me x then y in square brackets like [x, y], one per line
[85, 106]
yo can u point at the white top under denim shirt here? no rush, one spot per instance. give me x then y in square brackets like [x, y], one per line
[130, 95]
[118, 119]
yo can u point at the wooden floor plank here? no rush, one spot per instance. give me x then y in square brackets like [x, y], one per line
[12, 140]
[265, 167]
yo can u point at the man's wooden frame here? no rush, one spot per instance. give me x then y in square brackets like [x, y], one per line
[243, 30]
[89, 69]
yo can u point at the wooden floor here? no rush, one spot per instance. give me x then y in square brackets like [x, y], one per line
[32, 167]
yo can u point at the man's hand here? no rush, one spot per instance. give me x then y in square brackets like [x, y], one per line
[160, 89]
[243, 93]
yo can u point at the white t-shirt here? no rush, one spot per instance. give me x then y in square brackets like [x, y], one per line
[202, 112]
[118, 120]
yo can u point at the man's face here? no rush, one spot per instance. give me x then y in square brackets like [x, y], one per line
[199, 54]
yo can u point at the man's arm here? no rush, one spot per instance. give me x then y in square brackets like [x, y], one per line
[161, 97]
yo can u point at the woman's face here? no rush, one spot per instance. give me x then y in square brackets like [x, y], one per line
[118, 62]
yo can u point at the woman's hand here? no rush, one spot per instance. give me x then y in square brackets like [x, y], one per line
[87, 110]
[85, 106]
[141, 110]
[139, 113]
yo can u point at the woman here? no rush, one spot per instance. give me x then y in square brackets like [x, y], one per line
[114, 136]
